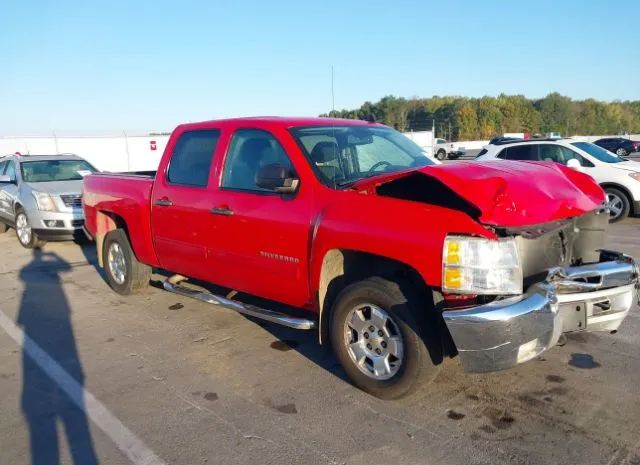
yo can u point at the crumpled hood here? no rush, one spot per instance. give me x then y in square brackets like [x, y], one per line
[504, 193]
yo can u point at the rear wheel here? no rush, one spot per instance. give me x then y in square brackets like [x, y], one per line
[441, 154]
[3, 228]
[622, 152]
[27, 238]
[125, 274]
[377, 338]
[618, 203]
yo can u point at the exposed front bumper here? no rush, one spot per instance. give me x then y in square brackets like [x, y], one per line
[57, 226]
[505, 333]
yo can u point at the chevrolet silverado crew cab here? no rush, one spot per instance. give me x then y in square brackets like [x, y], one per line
[346, 227]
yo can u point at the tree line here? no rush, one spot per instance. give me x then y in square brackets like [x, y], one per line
[463, 118]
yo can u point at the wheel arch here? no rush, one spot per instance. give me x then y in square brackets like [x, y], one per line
[341, 267]
[621, 188]
[106, 222]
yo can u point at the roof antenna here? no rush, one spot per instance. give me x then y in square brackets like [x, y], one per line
[333, 97]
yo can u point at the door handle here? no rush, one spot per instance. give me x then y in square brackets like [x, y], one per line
[223, 210]
[164, 202]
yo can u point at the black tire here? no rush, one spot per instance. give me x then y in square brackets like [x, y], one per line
[136, 275]
[422, 346]
[441, 155]
[624, 205]
[32, 241]
[3, 228]
[622, 152]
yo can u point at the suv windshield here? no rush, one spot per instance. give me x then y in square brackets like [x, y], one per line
[55, 170]
[341, 155]
[598, 152]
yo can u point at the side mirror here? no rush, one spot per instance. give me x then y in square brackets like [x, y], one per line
[574, 164]
[278, 178]
[6, 180]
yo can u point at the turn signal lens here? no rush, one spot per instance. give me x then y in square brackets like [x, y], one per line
[453, 278]
[635, 176]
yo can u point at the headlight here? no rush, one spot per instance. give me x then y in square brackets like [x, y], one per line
[635, 176]
[45, 202]
[472, 265]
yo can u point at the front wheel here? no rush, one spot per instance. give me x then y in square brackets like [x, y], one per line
[27, 238]
[618, 203]
[378, 341]
[441, 155]
[125, 273]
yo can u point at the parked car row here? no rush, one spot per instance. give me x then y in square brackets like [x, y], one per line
[618, 176]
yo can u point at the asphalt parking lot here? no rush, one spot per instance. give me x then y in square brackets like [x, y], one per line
[165, 380]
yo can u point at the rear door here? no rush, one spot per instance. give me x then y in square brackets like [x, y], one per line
[180, 203]
[266, 235]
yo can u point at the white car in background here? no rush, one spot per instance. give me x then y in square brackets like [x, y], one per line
[443, 150]
[618, 176]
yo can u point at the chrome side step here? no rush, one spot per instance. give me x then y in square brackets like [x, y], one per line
[173, 285]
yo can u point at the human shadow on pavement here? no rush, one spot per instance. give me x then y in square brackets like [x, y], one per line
[45, 316]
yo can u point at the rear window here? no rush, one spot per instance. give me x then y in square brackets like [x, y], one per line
[191, 160]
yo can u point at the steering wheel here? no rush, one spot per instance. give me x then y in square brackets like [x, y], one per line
[379, 164]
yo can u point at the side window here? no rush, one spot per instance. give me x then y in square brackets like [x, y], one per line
[3, 165]
[11, 171]
[551, 152]
[250, 150]
[502, 155]
[191, 160]
[522, 152]
[569, 154]
[483, 151]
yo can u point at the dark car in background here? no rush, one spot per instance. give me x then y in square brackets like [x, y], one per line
[619, 145]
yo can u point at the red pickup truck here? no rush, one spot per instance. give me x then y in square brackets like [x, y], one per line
[396, 262]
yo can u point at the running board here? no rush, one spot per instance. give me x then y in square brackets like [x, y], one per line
[173, 285]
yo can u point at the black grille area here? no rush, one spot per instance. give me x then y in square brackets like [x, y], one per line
[72, 201]
[77, 223]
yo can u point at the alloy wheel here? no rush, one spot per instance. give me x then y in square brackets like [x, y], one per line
[23, 228]
[615, 204]
[117, 263]
[621, 152]
[373, 341]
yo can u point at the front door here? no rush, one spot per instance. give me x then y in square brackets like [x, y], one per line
[266, 235]
[181, 202]
[8, 191]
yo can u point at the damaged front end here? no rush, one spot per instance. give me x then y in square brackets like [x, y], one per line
[570, 284]
[529, 283]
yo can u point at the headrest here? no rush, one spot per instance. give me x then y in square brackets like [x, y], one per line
[324, 152]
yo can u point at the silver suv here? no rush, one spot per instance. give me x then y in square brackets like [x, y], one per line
[40, 197]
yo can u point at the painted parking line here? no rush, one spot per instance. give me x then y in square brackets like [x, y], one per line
[122, 437]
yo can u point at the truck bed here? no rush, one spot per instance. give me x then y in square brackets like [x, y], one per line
[123, 198]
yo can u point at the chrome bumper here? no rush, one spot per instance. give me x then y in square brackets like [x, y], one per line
[505, 333]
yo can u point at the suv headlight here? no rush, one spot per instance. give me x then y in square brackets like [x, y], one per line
[472, 265]
[45, 202]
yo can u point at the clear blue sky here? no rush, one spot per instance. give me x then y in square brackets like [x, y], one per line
[103, 67]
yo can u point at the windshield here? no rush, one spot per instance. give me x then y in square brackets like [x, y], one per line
[598, 152]
[55, 170]
[341, 155]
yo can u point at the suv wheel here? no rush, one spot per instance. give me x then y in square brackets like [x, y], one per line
[3, 228]
[618, 203]
[622, 152]
[441, 155]
[125, 274]
[27, 238]
[378, 341]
